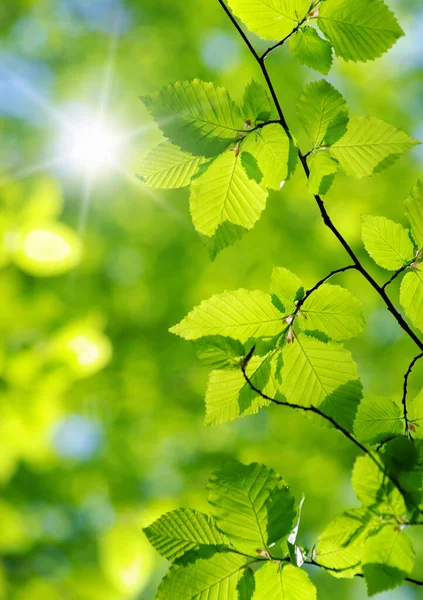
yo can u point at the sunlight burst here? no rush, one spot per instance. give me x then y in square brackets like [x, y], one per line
[91, 145]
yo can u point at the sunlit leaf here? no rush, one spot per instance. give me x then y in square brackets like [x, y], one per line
[271, 147]
[181, 530]
[256, 105]
[240, 314]
[378, 419]
[370, 145]
[252, 505]
[197, 116]
[415, 415]
[224, 193]
[322, 375]
[388, 243]
[414, 212]
[216, 576]
[388, 559]
[272, 19]
[219, 352]
[341, 545]
[411, 296]
[169, 167]
[323, 113]
[335, 311]
[287, 287]
[276, 582]
[229, 396]
[311, 50]
[374, 489]
[359, 30]
[322, 172]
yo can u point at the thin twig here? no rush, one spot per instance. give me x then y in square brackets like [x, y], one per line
[316, 564]
[404, 393]
[281, 43]
[312, 563]
[320, 283]
[394, 276]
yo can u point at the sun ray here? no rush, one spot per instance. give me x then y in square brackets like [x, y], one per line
[108, 72]
[87, 195]
[37, 98]
[132, 134]
[157, 198]
[90, 174]
[40, 167]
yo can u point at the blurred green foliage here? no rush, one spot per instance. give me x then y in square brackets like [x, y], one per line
[101, 408]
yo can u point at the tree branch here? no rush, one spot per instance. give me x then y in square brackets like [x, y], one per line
[325, 216]
[405, 390]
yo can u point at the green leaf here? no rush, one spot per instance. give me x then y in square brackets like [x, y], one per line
[224, 193]
[216, 576]
[323, 169]
[251, 167]
[181, 530]
[257, 105]
[199, 117]
[246, 585]
[388, 559]
[168, 167]
[375, 490]
[415, 415]
[226, 235]
[270, 19]
[283, 582]
[359, 30]
[335, 311]
[252, 505]
[388, 243]
[378, 420]
[370, 145]
[414, 212]
[271, 147]
[219, 352]
[340, 547]
[240, 314]
[229, 396]
[286, 286]
[321, 375]
[403, 458]
[311, 50]
[323, 113]
[411, 296]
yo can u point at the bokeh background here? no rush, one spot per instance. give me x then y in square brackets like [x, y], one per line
[101, 408]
